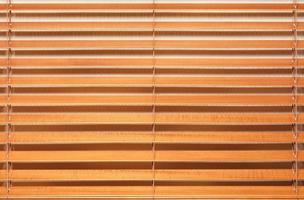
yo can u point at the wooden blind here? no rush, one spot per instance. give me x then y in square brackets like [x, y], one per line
[151, 99]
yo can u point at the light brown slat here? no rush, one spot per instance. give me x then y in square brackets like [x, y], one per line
[81, 190]
[51, 175]
[3, 174]
[301, 174]
[3, 99]
[224, 62]
[149, 25]
[226, 156]
[2, 156]
[50, 44]
[225, 137]
[179, 6]
[84, 156]
[77, 25]
[159, 81]
[74, 137]
[102, 80]
[224, 191]
[3, 118]
[63, 62]
[185, 191]
[82, 99]
[141, 155]
[147, 137]
[226, 26]
[225, 175]
[3, 191]
[111, 118]
[225, 44]
[167, 175]
[147, 62]
[189, 99]
[160, 118]
[225, 118]
[214, 99]
[3, 137]
[226, 81]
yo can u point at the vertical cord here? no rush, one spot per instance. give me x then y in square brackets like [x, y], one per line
[295, 95]
[8, 91]
[154, 98]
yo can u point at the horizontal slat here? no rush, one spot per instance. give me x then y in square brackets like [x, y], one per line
[3, 174]
[82, 190]
[225, 137]
[218, 191]
[3, 155]
[186, 191]
[178, 6]
[167, 175]
[111, 118]
[3, 137]
[225, 175]
[226, 156]
[225, 118]
[90, 137]
[85, 156]
[232, 99]
[147, 118]
[226, 81]
[149, 25]
[173, 99]
[148, 137]
[160, 156]
[159, 81]
[49, 175]
[51, 44]
[148, 62]
[274, 26]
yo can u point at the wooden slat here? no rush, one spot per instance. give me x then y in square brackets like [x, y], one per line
[226, 156]
[3, 175]
[167, 175]
[62, 118]
[231, 191]
[159, 81]
[82, 99]
[81, 137]
[68, 62]
[81, 190]
[224, 118]
[161, 118]
[171, 6]
[84, 156]
[101, 80]
[141, 99]
[213, 99]
[188, 44]
[225, 137]
[3, 156]
[161, 191]
[226, 81]
[225, 175]
[146, 62]
[51, 175]
[141, 155]
[3, 137]
[274, 26]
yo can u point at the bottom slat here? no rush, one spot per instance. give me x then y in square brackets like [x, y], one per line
[160, 191]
